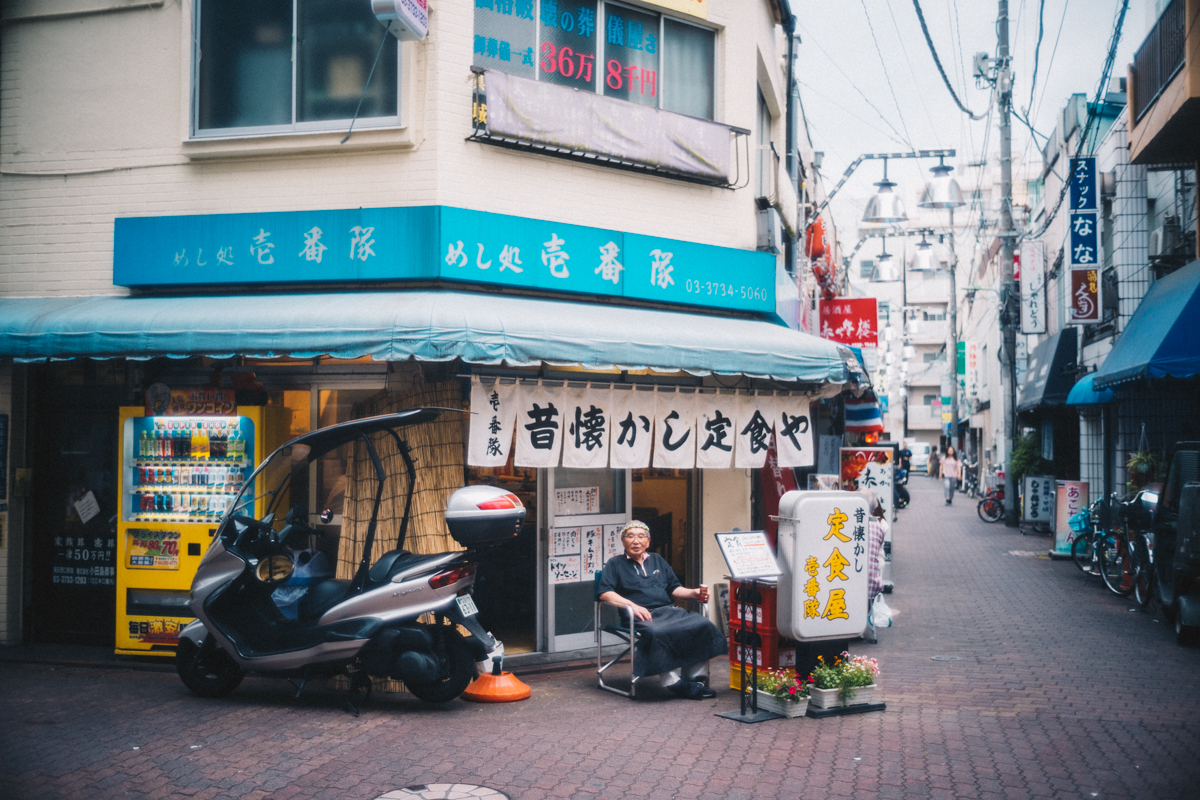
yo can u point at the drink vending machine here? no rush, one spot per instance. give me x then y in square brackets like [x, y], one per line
[179, 472]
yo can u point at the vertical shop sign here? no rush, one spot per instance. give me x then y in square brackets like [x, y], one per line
[869, 468]
[493, 410]
[632, 433]
[1083, 242]
[1039, 499]
[1033, 288]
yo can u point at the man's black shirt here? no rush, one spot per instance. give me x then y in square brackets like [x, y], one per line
[648, 584]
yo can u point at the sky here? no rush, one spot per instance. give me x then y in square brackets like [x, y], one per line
[868, 83]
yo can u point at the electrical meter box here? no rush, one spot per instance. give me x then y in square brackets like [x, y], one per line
[822, 549]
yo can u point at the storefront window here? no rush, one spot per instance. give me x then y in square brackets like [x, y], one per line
[281, 64]
[635, 55]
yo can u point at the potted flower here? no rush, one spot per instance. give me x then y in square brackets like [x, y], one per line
[1142, 468]
[783, 692]
[849, 680]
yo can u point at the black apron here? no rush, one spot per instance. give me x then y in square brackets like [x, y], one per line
[675, 638]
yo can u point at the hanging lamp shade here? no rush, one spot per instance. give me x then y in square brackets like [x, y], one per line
[923, 258]
[886, 206]
[942, 191]
[885, 268]
[908, 351]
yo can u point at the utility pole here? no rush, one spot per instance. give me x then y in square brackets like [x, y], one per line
[1008, 320]
[953, 359]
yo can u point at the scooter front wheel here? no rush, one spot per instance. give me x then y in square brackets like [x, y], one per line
[206, 669]
[457, 672]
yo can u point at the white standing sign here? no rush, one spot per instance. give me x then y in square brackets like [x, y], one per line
[823, 549]
[1033, 288]
[1039, 499]
[748, 554]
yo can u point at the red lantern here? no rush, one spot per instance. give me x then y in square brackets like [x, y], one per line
[816, 242]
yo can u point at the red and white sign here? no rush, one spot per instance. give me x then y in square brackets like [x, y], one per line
[852, 322]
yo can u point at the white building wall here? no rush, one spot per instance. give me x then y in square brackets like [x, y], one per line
[94, 126]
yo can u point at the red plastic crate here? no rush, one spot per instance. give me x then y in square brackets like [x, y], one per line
[763, 609]
[765, 648]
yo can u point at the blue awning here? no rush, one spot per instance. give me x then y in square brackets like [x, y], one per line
[1084, 393]
[427, 325]
[1050, 374]
[1162, 338]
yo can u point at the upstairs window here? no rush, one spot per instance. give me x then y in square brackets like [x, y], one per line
[603, 47]
[280, 66]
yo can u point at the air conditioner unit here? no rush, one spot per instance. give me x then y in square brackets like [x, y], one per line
[770, 231]
[1165, 239]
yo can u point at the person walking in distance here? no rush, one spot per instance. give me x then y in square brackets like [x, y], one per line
[950, 467]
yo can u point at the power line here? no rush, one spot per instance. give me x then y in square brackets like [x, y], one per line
[851, 113]
[938, 62]
[1062, 23]
[913, 73]
[1036, 53]
[1092, 116]
[887, 76]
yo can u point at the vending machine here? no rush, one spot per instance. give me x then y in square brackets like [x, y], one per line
[180, 468]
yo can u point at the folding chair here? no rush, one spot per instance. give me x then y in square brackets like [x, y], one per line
[625, 632]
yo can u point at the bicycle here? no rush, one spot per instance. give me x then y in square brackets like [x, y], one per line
[970, 481]
[1087, 550]
[1126, 564]
[991, 507]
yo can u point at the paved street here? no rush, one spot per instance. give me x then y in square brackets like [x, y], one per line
[1060, 692]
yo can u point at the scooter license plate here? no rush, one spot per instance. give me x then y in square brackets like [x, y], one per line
[466, 605]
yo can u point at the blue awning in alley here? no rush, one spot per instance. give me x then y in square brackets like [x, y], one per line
[1162, 338]
[1051, 372]
[427, 325]
[1084, 393]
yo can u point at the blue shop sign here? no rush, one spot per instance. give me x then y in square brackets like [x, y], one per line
[427, 243]
[1085, 239]
[1083, 184]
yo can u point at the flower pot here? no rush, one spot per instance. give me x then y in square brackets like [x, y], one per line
[828, 698]
[784, 708]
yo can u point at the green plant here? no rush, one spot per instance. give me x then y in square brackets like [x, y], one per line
[783, 684]
[1142, 467]
[846, 674]
[1027, 458]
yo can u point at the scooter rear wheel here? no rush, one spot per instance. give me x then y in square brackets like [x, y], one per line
[207, 670]
[458, 670]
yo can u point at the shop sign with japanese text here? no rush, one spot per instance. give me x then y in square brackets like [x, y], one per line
[430, 243]
[152, 549]
[622, 427]
[191, 403]
[1083, 243]
[1085, 296]
[1033, 288]
[852, 322]
[824, 550]
[1039, 499]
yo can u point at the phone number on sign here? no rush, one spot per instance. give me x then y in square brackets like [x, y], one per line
[718, 289]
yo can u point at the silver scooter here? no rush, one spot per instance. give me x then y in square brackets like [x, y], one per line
[361, 627]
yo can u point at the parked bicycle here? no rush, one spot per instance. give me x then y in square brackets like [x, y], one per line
[1088, 530]
[970, 481]
[991, 507]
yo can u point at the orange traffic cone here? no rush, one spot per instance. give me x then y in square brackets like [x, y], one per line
[499, 687]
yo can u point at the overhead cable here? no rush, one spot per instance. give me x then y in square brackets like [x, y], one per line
[1036, 53]
[1092, 116]
[938, 62]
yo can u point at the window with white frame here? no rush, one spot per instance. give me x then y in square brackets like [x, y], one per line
[598, 46]
[280, 66]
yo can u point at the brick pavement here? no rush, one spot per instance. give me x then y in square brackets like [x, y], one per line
[1060, 692]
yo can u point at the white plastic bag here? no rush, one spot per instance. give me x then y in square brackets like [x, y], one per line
[311, 567]
[881, 613]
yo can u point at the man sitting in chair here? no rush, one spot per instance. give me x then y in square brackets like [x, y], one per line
[676, 644]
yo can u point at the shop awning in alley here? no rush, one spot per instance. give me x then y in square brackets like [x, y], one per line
[1051, 372]
[429, 325]
[1162, 338]
[1085, 393]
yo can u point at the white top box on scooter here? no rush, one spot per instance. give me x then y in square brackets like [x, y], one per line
[478, 515]
[822, 549]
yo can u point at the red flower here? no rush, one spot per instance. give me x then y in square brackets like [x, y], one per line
[792, 690]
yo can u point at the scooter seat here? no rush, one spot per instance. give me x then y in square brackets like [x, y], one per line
[394, 561]
[322, 597]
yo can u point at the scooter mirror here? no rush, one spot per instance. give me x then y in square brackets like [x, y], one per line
[327, 516]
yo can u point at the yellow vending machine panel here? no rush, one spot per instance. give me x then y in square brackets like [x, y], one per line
[179, 473]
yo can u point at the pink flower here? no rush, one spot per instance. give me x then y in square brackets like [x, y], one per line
[792, 690]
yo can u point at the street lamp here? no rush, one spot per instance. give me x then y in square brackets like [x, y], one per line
[944, 192]
[885, 207]
[922, 258]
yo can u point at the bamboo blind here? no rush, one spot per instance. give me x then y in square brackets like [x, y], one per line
[437, 448]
